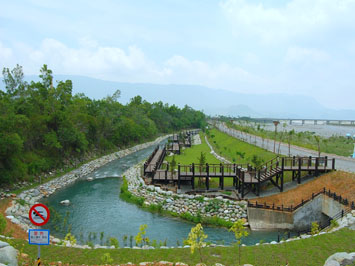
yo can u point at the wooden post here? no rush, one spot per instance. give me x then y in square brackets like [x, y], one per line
[282, 174]
[316, 167]
[258, 185]
[179, 176]
[166, 173]
[299, 170]
[193, 176]
[242, 184]
[325, 162]
[207, 177]
[333, 164]
[222, 178]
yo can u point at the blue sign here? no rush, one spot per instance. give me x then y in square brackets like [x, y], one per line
[38, 237]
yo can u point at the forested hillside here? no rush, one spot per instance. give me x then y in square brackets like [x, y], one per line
[42, 127]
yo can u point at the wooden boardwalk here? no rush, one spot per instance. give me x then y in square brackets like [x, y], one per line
[246, 178]
[155, 161]
[177, 141]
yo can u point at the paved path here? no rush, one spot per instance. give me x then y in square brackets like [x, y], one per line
[341, 163]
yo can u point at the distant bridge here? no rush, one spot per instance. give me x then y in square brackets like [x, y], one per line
[303, 121]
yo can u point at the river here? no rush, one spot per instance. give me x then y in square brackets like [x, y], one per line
[96, 207]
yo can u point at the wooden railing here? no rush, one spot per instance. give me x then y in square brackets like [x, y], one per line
[150, 158]
[292, 208]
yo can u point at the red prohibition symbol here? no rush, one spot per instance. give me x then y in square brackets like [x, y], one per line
[39, 214]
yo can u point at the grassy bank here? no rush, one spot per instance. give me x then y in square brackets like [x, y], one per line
[126, 195]
[338, 145]
[192, 155]
[237, 151]
[311, 251]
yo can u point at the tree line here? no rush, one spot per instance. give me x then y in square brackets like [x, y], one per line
[42, 126]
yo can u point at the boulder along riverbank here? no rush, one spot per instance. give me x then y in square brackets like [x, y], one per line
[196, 208]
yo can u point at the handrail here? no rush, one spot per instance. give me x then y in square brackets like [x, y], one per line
[292, 208]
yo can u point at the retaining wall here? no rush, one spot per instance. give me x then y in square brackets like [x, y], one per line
[318, 209]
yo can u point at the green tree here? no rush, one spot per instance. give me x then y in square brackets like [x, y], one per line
[318, 140]
[44, 127]
[196, 239]
[239, 232]
[202, 162]
[172, 165]
[290, 134]
[139, 238]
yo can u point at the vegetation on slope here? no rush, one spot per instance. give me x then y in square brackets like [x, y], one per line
[237, 151]
[45, 127]
[342, 183]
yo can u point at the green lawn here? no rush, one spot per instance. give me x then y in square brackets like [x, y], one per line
[236, 150]
[192, 155]
[311, 251]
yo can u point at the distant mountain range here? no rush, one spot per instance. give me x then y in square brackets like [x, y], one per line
[211, 101]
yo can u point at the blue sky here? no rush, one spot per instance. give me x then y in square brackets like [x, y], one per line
[295, 47]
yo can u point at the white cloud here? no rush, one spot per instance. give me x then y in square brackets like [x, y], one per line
[299, 54]
[294, 19]
[199, 72]
[126, 65]
[5, 53]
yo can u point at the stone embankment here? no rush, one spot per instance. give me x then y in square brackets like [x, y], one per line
[222, 159]
[18, 212]
[195, 205]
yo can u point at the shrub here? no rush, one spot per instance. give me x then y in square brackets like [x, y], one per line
[69, 237]
[106, 258]
[315, 228]
[90, 244]
[114, 242]
[333, 224]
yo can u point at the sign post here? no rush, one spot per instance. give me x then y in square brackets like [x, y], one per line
[39, 215]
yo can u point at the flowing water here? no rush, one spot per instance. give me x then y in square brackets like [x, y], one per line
[97, 209]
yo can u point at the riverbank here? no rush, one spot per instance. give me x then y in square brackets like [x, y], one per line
[18, 212]
[293, 252]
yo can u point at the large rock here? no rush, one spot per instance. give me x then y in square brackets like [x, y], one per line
[3, 244]
[8, 256]
[340, 259]
[65, 202]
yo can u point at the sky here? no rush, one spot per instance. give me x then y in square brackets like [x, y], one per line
[298, 47]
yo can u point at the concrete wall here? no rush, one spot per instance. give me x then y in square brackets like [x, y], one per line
[331, 207]
[308, 213]
[318, 209]
[269, 219]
